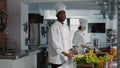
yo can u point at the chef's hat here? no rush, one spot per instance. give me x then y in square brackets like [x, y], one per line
[60, 6]
[83, 22]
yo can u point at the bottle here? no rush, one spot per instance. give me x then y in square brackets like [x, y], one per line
[90, 51]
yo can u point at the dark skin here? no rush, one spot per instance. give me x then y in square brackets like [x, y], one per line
[61, 16]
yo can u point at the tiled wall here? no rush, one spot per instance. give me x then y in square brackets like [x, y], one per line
[3, 9]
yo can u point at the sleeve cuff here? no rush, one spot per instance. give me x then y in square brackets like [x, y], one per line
[59, 51]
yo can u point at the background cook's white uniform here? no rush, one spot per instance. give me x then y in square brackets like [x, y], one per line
[58, 41]
[78, 39]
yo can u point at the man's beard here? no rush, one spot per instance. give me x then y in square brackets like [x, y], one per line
[63, 19]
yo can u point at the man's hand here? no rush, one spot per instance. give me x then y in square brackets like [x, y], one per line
[75, 52]
[84, 46]
[69, 56]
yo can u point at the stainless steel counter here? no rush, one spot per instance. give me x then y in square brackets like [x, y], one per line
[15, 54]
[68, 64]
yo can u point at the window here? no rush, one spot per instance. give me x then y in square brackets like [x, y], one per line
[96, 27]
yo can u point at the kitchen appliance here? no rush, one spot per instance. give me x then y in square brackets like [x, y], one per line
[96, 43]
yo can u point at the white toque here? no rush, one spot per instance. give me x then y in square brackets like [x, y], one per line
[59, 7]
[83, 22]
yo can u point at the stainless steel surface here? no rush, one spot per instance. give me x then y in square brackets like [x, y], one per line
[14, 54]
[114, 64]
[96, 43]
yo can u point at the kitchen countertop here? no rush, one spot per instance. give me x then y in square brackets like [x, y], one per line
[15, 54]
[70, 64]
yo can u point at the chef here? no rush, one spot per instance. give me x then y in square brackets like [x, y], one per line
[58, 39]
[79, 36]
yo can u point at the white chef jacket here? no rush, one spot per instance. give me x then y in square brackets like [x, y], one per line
[58, 41]
[78, 39]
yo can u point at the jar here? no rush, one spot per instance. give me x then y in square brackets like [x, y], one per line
[114, 50]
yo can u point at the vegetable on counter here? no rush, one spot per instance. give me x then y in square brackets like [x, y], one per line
[89, 58]
[106, 58]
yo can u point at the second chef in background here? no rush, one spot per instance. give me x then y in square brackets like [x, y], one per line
[79, 38]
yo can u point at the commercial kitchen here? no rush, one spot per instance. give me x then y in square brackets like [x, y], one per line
[24, 26]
